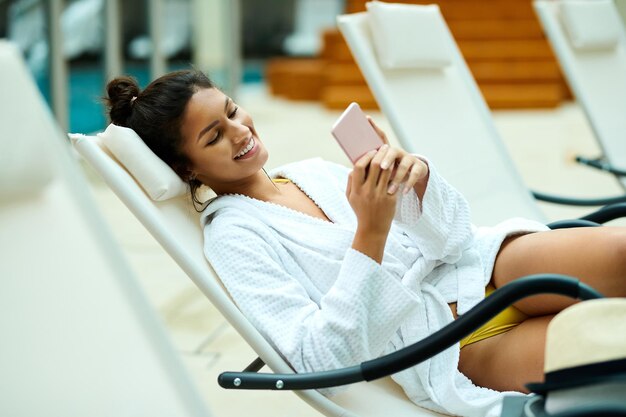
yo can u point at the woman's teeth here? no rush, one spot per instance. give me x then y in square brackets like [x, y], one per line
[246, 149]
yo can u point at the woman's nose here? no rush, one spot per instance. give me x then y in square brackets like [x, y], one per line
[239, 132]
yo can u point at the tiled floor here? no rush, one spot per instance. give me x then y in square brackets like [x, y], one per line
[542, 143]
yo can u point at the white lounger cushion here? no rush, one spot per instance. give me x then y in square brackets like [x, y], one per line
[157, 179]
[24, 167]
[591, 25]
[393, 24]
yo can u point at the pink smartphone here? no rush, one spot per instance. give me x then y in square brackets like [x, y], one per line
[355, 134]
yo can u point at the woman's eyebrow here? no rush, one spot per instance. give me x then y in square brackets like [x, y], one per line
[212, 124]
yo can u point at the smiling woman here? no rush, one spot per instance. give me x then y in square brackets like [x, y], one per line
[222, 145]
[337, 266]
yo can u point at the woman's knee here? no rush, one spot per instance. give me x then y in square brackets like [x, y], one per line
[616, 247]
[578, 252]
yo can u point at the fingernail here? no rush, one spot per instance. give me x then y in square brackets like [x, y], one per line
[392, 188]
[406, 190]
[384, 165]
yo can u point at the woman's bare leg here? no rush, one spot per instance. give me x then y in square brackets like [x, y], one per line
[595, 255]
[509, 360]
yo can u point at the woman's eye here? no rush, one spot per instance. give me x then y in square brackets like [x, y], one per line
[233, 113]
[214, 140]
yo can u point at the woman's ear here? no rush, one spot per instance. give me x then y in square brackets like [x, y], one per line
[183, 172]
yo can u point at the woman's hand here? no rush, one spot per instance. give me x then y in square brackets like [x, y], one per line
[374, 206]
[372, 191]
[368, 193]
[409, 171]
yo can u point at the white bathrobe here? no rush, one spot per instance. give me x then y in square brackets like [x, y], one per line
[324, 305]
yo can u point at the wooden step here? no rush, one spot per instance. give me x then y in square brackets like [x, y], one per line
[339, 96]
[538, 95]
[343, 73]
[466, 9]
[483, 71]
[475, 50]
[296, 78]
[526, 49]
[338, 52]
[501, 40]
[485, 29]
[511, 96]
[515, 71]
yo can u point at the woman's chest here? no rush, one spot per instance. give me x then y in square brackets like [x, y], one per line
[294, 198]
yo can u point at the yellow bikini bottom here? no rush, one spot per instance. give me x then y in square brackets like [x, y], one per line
[503, 322]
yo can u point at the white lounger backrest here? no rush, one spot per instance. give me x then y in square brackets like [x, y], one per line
[79, 337]
[440, 113]
[175, 225]
[595, 73]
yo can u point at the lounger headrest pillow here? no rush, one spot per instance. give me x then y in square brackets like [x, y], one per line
[408, 36]
[157, 179]
[591, 25]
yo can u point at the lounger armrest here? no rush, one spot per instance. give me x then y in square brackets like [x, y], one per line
[585, 202]
[422, 350]
[607, 213]
[602, 165]
[567, 224]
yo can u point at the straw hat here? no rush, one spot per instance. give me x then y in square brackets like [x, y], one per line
[585, 360]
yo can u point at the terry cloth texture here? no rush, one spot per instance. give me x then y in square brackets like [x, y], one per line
[324, 305]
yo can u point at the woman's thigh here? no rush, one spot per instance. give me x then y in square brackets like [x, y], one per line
[509, 360]
[595, 255]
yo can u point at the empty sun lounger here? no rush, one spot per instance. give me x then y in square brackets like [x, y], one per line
[589, 41]
[79, 337]
[435, 108]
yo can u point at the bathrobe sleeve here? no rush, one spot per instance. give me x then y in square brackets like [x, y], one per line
[440, 224]
[353, 322]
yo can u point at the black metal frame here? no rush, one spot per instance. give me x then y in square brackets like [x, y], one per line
[601, 164]
[596, 218]
[580, 202]
[597, 163]
[418, 352]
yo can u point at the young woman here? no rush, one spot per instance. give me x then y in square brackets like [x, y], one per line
[337, 266]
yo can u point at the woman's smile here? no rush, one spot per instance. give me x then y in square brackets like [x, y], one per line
[249, 150]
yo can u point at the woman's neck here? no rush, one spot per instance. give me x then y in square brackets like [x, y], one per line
[260, 187]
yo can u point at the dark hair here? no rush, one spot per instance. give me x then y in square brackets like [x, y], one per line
[156, 114]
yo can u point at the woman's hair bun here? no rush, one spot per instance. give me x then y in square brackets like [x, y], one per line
[121, 93]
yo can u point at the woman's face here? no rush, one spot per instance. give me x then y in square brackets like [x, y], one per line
[220, 141]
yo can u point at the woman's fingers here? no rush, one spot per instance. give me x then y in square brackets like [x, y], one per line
[389, 169]
[417, 172]
[376, 172]
[402, 170]
[408, 171]
[368, 170]
[349, 186]
[361, 166]
[378, 130]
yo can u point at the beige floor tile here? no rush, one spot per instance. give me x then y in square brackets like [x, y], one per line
[229, 353]
[192, 320]
[543, 145]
